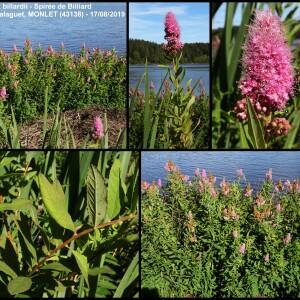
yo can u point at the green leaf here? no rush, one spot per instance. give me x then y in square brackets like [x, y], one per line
[291, 138]
[54, 201]
[83, 265]
[7, 270]
[19, 285]
[130, 275]
[56, 266]
[113, 197]
[96, 197]
[254, 128]
[243, 139]
[17, 204]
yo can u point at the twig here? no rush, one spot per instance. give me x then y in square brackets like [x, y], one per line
[78, 235]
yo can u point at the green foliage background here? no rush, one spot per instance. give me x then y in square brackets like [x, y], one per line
[45, 196]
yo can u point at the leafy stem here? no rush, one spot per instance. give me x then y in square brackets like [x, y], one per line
[78, 235]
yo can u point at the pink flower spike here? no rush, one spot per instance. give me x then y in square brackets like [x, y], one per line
[98, 130]
[3, 93]
[269, 175]
[159, 183]
[172, 35]
[242, 248]
[267, 258]
[145, 185]
[287, 239]
[203, 173]
[267, 71]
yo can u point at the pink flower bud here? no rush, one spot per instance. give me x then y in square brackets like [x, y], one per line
[242, 248]
[98, 130]
[159, 183]
[267, 257]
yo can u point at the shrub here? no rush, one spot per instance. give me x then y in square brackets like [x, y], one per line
[203, 241]
[92, 77]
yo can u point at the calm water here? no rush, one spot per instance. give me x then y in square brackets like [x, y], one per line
[285, 165]
[156, 75]
[104, 33]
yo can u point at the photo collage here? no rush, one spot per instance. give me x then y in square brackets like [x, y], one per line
[149, 149]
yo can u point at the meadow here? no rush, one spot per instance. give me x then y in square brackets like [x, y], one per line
[220, 241]
[41, 87]
[68, 224]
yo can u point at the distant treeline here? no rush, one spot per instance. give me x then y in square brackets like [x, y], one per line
[140, 49]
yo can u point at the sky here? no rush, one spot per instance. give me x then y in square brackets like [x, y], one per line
[218, 20]
[146, 21]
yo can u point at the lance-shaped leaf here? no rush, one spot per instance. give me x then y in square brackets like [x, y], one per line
[96, 197]
[7, 269]
[83, 265]
[254, 127]
[19, 204]
[113, 197]
[54, 201]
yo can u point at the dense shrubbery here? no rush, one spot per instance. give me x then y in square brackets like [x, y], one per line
[68, 224]
[200, 240]
[92, 77]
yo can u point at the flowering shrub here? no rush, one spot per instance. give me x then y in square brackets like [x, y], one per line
[92, 77]
[68, 224]
[203, 239]
[174, 117]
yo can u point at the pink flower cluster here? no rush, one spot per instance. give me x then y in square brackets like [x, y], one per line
[172, 35]
[98, 130]
[268, 77]
[248, 190]
[269, 175]
[3, 93]
[225, 187]
[230, 214]
[171, 167]
[207, 182]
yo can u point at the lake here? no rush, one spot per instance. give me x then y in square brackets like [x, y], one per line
[156, 75]
[105, 33]
[284, 164]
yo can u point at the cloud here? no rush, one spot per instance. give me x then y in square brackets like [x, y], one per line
[146, 21]
[156, 9]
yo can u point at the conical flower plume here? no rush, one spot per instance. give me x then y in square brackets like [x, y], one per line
[267, 77]
[172, 35]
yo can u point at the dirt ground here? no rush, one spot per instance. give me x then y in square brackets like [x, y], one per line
[81, 123]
